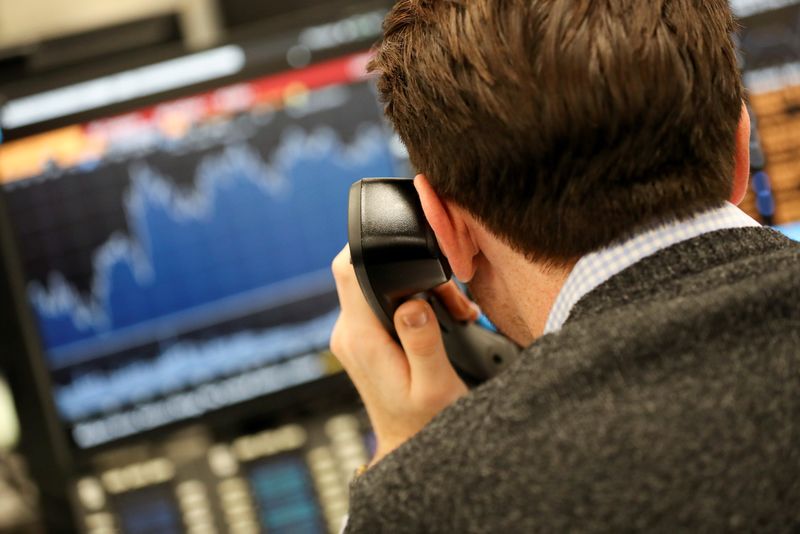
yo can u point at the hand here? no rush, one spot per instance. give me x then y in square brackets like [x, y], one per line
[403, 388]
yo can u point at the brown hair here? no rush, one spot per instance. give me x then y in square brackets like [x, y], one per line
[564, 125]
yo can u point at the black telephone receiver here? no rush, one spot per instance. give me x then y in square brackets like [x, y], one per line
[396, 257]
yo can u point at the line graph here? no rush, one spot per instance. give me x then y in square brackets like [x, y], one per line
[179, 273]
[246, 224]
[188, 364]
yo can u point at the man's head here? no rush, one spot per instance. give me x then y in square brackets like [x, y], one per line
[564, 125]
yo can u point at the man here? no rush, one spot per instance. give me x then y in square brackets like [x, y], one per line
[580, 161]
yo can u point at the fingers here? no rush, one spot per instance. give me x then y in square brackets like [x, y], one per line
[359, 340]
[461, 308]
[344, 275]
[350, 295]
[351, 299]
[421, 338]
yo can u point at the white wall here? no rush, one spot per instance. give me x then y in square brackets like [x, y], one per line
[28, 21]
[744, 8]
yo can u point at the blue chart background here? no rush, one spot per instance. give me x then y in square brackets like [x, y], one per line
[181, 276]
[246, 224]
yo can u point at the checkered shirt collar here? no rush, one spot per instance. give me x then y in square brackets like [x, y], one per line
[598, 267]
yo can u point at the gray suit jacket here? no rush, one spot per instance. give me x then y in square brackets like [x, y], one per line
[669, 400]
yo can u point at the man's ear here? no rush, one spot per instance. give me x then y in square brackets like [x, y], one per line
[451, 229]
[741, 175]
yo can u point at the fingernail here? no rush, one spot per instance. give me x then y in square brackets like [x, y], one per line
[476, 308]
[416, 320]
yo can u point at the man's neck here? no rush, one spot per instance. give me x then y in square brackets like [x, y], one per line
[537, 286]
[527, 290]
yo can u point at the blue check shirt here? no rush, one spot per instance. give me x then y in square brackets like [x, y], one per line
[598, 267]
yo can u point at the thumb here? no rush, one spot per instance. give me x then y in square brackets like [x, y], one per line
[421, 339]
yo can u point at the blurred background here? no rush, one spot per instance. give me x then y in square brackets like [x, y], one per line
[173, 179]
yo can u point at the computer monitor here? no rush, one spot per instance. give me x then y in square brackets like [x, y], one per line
[176, 258]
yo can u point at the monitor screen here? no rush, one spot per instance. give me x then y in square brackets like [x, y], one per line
[285, 495]
[791, 230]
[177, 257]
[149, 510]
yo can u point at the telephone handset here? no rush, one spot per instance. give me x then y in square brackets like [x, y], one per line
[396, 256]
